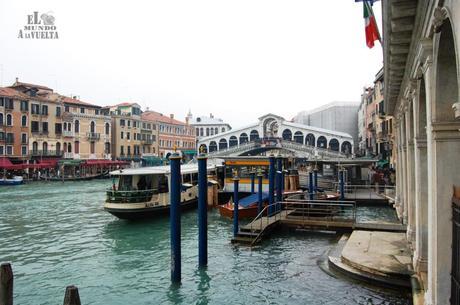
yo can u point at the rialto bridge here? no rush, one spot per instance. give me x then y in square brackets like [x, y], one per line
[273, 132]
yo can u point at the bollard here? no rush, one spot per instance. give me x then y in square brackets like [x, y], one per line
[260, 175]
[71, 296]
[235, 205]
[271, 183]
[252, 174]
[175, 218]
[202, 211]
[315, 179]
[341, 181]
[6, 284]
[310, 184]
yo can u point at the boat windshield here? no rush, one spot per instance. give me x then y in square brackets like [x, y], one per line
[157, 183]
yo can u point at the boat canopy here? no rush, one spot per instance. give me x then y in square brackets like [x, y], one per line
[165, 169]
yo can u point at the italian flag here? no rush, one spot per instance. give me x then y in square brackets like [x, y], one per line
[372, 32]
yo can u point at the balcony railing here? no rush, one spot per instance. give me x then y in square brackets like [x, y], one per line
[117, 196]
[93, 136]
[68, 133]
[147, 141]
[58, 153]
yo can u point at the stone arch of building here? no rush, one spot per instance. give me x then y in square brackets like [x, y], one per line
[334, 144]
[287, 134]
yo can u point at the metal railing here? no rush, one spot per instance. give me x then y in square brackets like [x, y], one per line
[67, 133]
[455, 273]
[46, 152]
[93, 136]
[326, 210]
[257, 226]
[135, 196]
[364, 191]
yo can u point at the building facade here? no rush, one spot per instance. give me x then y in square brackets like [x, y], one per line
[338, 116]
[421, 68]
[173, 135]
[207, 126]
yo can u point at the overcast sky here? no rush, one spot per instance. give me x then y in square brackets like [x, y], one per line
[238, 59]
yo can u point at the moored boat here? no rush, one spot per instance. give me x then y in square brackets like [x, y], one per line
[144, 192]
[16, 180]
[247, 206]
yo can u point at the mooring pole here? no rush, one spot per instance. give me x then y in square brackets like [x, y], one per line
[6, 284]
[279, 173]
[175, 218]
[310, 184]
[253, 175]
[315, 179]
[202, 211]
[236, 180]
[271, 183]
[71, 297]
[342, 184]
[260, 175]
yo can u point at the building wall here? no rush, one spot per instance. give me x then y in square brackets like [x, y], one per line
[7, 147]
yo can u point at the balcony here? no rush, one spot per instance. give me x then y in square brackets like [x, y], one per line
[147, 141]
[68, 133]
[93, 136]
[57, 153]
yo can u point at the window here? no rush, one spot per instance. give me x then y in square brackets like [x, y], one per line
[35, 147]
[9, 120]
[58, 148]
[9, 103]
[122, 122]
[23, 150]
[24, 121]
[9, 150]
[2, 101]
[10, 138]
[107, 128]
[1, 119]
[77, 126]
[92, 147]
[129, 150]
[58, 111]
[122, 150]
[129, 123]
[223, 129]
[58, 128]
[2, 136]
[96, 111]
[24, 138]
[2, 150]
[128, 136]
[66, 108]
[35, 109]
[107, 148]
[45, 127]
[34, 126]
[44, 109]
[82, 110]
[45, 148]
[24, 105]
[121, 135]
[92, 127]
[77, 147]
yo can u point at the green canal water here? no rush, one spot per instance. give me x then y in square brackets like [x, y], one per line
[58, 234]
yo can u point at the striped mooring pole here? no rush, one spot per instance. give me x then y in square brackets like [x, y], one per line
[310, 184]
[174, 218]
[271, 184]
[202, 211]
[260, 176]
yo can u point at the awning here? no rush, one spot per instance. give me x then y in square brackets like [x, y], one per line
[70, 162]
[5, 163]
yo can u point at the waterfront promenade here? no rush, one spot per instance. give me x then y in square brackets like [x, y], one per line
[58, 234]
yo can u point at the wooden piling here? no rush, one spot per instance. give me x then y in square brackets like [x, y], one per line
[71, 296]
[6, 284]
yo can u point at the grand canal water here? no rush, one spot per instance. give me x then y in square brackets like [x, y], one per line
[58, 234]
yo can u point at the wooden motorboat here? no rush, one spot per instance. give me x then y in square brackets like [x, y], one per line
[247, 206]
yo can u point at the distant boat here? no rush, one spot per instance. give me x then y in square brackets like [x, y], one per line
[16, 180]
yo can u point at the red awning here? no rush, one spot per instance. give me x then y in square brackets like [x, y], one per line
[5, 163]
[49, 162]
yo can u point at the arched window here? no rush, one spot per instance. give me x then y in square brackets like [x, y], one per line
[287, 135]
[216, 130]
[58, 148]
[107, 148]
[243, 138]
[222, 144]
[322, 142]
[346, 147]
[233, 141]
[107, 128]
[334, 145]
[212, 146]
[253, 135]
[223, 129]
[298, 137]
[77, 126]
[1, 119]
[93, 127]
[45, 148]
[24, 121]
[207, 134]
[9, 120]
[34, 148]
[197, 131]
[310, 140]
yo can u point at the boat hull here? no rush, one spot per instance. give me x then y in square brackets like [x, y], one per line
[139, 211]
[11, 182]
[226, 210]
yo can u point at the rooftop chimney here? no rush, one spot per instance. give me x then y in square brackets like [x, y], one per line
[211, 116]
[171, 115]
[17, 79]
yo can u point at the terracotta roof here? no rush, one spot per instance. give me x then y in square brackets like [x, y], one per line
[159, 117]
[17, 84]
[73, 101]
[10, 92]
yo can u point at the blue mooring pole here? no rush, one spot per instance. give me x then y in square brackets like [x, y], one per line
[202, 211]
[253, 175]
[175, 218]
[236, 180]
[260, 203]
[342, 184]
[315, 179]
[271, 183]
[310, 184]
[279, 191]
